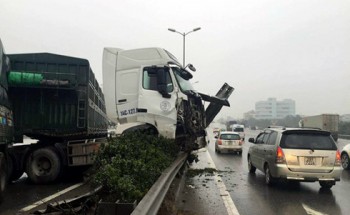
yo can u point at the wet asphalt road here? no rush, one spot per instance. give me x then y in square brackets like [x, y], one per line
[251, 196]
[23, 193]
[248, 192]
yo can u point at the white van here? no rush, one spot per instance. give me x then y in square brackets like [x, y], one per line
[239, 129]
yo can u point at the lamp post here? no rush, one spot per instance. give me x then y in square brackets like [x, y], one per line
[183, 35]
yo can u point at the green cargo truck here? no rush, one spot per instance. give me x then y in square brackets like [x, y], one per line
[56, 100]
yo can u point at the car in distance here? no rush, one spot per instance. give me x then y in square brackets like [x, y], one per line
[240, 130]
[295, 154]
[228, 141]
[345, 161]
[216, 131]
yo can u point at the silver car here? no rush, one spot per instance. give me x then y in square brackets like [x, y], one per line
[295, 154]
[228, 141]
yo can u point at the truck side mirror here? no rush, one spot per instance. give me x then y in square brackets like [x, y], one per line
[191, 67]
[162, 82]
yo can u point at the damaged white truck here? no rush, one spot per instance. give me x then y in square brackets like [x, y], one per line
[148, 89]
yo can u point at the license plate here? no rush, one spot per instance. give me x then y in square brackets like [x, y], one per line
[229, 142]
[310, 161]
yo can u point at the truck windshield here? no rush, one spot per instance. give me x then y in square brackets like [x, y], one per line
[182, 80]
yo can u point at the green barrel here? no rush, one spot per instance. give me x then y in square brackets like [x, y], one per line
[24, 78]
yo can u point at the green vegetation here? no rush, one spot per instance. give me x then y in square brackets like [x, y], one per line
[344, 128]
[130, 164]
[288, 121]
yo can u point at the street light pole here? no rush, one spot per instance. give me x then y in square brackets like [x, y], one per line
[183, 50]
[184, 40]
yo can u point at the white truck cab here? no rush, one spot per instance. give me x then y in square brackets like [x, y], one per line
[149, 87]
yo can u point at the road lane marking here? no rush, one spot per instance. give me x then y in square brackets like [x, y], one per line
[230, 206]
[311, 211]
[50, 197]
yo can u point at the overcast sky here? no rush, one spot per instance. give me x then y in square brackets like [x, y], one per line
[287, 49]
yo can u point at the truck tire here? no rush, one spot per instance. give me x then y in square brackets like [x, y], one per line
[43, 165]
[3, 175]
[15, 171]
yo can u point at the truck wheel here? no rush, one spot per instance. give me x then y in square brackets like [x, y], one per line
[14, 168]
[3, 175]
[43, 166]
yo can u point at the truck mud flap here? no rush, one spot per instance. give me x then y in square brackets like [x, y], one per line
[216, 102]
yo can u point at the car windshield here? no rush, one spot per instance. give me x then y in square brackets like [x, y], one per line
[238, 129]
[230, 137]
[308, 141]
[185, 85]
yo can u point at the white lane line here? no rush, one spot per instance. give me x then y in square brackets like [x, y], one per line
[50, 197]
[311, 211]
[230, 206]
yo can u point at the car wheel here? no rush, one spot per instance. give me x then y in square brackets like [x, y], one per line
[345, 162]
[251, 168]
[326, 184]
[269, 180]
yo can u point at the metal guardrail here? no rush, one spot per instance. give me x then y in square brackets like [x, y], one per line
[152, 201]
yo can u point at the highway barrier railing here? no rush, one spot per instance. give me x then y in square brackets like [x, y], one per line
[152, 201]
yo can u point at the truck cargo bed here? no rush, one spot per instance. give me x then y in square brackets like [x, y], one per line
[55, 96]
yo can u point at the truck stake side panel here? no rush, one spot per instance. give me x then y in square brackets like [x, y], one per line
[55, 96]
[6, 116]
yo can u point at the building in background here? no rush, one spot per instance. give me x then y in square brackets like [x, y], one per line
[273, 109]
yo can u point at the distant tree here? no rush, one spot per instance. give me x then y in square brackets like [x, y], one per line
[289, 121]
[344, 127]
[222, 120]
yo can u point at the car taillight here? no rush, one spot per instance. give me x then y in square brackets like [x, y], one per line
[280, 155]
[337, 159]
[219, 142]
[240, 142]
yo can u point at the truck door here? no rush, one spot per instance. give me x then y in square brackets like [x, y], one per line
[157, 100]
[127, 89]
